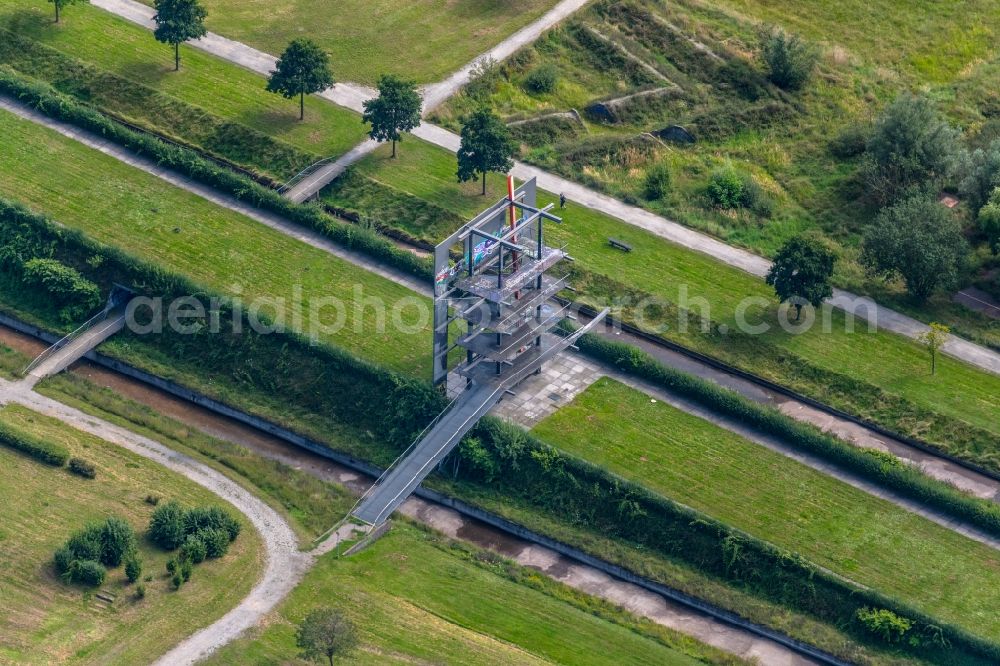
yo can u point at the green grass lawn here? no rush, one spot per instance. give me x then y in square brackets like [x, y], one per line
[776, 499]
[46, 621]
[220, 88]
[661, 268]
[119, 205]
[930, 42]
[423, 39]
[413, 599]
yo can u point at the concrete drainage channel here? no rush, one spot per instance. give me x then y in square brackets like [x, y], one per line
[659, 603]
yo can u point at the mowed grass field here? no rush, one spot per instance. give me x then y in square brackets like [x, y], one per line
[782, 501]
[663, 269]
[46, 621]
[413, 601]
[220, 88]
[422, 39]
[119, 205]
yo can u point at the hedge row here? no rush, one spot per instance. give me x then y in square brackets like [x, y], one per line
[40, 449]
[884, 470]
[319, 379]
[54, 104]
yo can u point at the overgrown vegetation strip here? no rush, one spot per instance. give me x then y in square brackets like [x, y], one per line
[47, 452]
[505, 460]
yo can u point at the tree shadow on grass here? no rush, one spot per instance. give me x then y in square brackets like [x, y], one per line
[148, 73]
[31, 23]
[273, 121]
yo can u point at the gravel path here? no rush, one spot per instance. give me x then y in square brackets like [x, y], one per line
[285, 564]
[352, 96]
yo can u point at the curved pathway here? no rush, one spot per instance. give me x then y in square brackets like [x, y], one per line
[285, 564]
[352, 96]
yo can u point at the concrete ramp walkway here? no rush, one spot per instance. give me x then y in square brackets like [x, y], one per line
[74, 346]
[444, 434]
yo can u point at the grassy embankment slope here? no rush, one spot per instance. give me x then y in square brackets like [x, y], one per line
[782, 501]
[121, 206]
[415, 598]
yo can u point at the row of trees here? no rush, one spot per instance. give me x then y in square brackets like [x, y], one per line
[304, 69]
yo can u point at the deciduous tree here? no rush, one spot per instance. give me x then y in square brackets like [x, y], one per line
[486, 146]
[395, 111]
[910, 145]
[934, 338]
[178, 21]
[325, 633]
[989, 221]
[919, 240]
[59, 4]
[303, 69]
[801, 272]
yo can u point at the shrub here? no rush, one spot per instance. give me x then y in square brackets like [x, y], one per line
[82, 468]
[725, 189]
[185, 570]
[49, 453]
[133, 568]
[86, 572]
[657, 183]
[850, 142]
[63, 559]
[140, 591]
[980, 173]
[166, 526]
[216, 542]
[86, 544]
[172, 566]
[64, 285]
[117, 540]
[212, 517]
[152, 499]
[193, 550]
[884, 623]
[542, 79]
[177, 581]
[790, 61]
[756, 198]
[484, 79]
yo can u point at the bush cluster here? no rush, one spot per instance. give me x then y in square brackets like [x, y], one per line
[54, 104]
[727, 188]
[199, 532]
[47, 452]
[657, 182]
[84, 556]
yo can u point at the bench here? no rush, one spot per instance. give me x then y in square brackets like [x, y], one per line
[621, 245]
